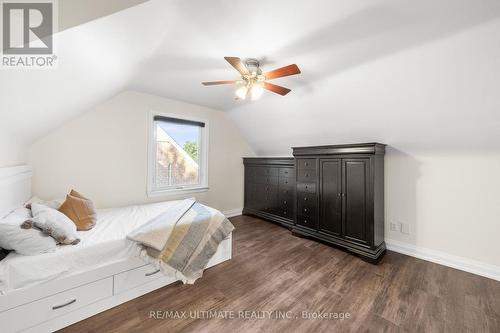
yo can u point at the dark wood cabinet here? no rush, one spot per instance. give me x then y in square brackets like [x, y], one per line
[347, 183]
[331, 196]
[270, 189]
[331, 193]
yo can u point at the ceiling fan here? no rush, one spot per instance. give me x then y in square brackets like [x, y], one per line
[253, 80]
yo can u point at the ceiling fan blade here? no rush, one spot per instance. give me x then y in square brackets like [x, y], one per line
[236, 63]
[276, 89]
[213, 83]
[283, 71]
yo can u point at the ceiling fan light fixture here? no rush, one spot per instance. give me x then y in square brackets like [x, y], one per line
[242, 92]
[256, 91]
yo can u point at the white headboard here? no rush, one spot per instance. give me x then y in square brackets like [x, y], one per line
[15, 187]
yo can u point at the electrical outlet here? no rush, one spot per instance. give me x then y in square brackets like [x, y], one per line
[405, 228]
[394, 226]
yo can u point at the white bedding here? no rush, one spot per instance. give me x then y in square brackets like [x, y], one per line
[105, 244]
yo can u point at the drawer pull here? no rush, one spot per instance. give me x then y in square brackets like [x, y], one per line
[306, 163]
[305, 199]
[305, 221]
[284, 202]
[305, 210]
[55, 307]
[152, 273]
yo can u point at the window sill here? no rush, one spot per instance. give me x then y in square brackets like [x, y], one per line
[172, 192]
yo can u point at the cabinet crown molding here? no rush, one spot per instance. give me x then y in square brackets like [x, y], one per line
[355, 148]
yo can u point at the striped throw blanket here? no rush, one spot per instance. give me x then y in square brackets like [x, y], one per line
[182, 239]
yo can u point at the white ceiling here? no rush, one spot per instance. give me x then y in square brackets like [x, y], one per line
[414, 74]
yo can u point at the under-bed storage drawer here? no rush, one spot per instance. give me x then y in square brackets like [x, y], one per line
[31, 314]
[136, 277]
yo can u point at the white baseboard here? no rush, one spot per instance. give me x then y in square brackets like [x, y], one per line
[442, 258]
[233, 212]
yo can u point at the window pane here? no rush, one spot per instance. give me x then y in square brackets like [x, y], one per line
[177, 154]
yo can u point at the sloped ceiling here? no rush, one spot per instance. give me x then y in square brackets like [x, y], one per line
[413, 74]
[75, 12]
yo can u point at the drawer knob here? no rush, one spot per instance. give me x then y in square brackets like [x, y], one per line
[305, 199]
[284, 202]
[285, 212]
[305, 221]
[307, 175]
[55, 307]
[305, 210]
[152, 273]
[306, 163]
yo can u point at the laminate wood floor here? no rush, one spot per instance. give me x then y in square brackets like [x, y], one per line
[272, 270]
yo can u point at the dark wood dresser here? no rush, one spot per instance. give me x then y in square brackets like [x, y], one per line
[270, 189]
[337, 193]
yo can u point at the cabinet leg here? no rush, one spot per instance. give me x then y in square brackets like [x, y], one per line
[296, 234]
[372, 260]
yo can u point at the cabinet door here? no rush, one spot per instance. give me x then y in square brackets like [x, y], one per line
[355, 208]
[331, 196]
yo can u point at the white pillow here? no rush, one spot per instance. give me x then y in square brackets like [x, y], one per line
[55, 224]
[56, 204]
[23, 241]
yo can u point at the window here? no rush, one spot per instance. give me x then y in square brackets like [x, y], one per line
[177, 154]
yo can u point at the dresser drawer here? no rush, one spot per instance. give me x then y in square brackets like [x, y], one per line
[136, 277]
[306, 163]
[306, 198]
[286, 190]
[308, 208]
[287, 172]
[267, 171]
[306, 221]
[271, 180]
[31, 314]
[287, 181]
[306, 187]
[250, 172]
[286, 201]
[286, 212]
[306, 175]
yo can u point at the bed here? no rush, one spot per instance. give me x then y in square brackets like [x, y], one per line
[75, 282]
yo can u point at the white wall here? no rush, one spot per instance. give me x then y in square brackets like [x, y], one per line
[450, 200]
[103, 154]
[12, 151]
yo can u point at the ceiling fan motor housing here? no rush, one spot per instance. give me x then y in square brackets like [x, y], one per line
[253, 66]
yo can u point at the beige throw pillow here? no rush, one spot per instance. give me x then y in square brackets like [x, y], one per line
[80, 210]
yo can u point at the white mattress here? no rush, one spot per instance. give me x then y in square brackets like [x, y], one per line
[105, 244]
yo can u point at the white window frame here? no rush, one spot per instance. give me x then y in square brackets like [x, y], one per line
[203, 157]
